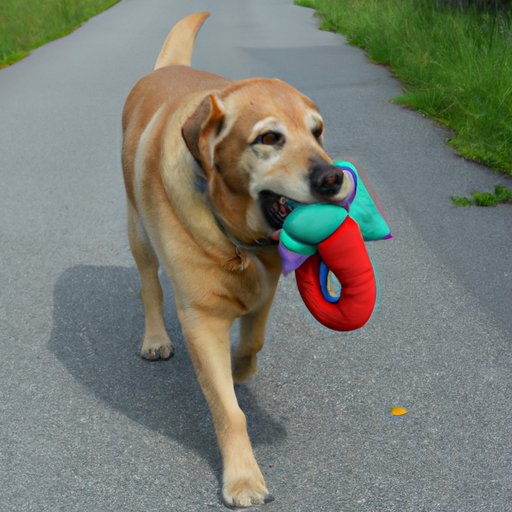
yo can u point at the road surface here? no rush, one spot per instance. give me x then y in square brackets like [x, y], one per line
[87, 426]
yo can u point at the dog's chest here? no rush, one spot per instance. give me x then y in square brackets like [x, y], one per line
[254, 282]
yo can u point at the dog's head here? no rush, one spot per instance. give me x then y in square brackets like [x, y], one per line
[259, 142]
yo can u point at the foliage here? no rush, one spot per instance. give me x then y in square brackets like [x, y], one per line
[27, 24]
[500, 195]
[455, 64]
[480, 5]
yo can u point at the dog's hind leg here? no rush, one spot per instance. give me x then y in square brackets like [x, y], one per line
[156, 344]
[252, 337]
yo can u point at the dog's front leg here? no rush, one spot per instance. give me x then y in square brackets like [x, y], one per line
[208, 343]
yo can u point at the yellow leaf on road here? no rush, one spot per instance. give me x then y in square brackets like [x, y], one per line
[398, 411]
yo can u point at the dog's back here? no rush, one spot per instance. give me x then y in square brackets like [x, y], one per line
[172, 76]
[171, 79]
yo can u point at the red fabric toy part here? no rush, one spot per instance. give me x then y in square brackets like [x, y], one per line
[345, 255]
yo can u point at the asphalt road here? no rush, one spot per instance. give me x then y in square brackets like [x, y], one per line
[85, 425]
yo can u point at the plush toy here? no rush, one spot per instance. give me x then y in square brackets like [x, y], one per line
[322, 240]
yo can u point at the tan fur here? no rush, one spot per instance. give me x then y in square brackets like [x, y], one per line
[173, 117]
[178, 45]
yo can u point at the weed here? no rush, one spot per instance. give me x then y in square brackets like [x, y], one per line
[501, 195]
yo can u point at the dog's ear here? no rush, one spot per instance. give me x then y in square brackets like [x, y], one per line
[202, 128]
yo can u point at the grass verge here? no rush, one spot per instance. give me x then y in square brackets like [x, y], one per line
[501, 195]
[28, 24]
[455, 66]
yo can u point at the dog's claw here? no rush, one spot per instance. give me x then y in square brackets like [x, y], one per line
[156, 354]
[269, 498]
[154, 349]
[246, 494]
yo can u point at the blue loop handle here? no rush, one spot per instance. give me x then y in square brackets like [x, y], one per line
[330, 295]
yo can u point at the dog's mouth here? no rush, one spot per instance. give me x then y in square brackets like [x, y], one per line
[276, 208]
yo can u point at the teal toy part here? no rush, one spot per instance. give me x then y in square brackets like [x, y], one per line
[363, 210]
[296, 246]
[308, 225]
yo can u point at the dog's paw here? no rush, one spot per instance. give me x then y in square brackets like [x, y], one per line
[245, 487]
[245, 492]
[243, 368]
[156, 347]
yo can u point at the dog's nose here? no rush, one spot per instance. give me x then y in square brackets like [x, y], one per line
[326, 179]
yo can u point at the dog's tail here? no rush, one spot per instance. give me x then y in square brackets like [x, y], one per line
[179, 43]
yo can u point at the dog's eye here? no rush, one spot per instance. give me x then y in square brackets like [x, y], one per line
[270, 139]
[317, 132]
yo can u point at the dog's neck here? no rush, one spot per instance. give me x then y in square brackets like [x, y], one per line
[201, 185]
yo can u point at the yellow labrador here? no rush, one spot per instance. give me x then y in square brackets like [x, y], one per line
[209, 165]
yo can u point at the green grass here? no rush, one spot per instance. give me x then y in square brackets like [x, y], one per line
[455, 66]
[27, 24]
[501, 195]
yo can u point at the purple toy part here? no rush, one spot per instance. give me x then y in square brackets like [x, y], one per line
[352, 176]
[290, 260]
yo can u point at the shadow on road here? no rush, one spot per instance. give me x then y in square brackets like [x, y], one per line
[97, 330]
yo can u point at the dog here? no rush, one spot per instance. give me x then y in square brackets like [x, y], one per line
[209, 167]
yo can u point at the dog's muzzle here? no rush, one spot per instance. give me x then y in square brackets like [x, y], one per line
[325, 180]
